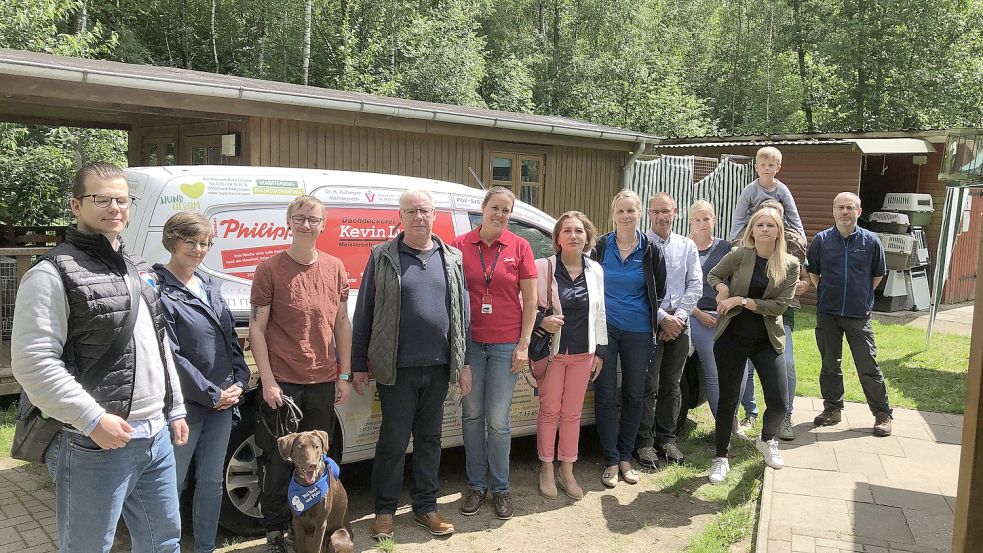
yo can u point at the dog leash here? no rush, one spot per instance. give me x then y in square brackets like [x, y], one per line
[288, 417]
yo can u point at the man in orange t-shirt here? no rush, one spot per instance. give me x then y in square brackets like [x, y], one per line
[301, 338]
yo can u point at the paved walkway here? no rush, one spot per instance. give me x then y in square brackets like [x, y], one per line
[952, 319]
[27, 515]
[843, 489]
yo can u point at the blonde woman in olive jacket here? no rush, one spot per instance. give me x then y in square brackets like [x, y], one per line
[749, 326]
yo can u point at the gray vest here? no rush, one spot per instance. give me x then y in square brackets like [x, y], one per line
[98, 303]
[384, 338]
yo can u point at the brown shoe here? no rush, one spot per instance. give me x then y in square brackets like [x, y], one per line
[382, 527]
[503, 505]
[473, 499]
[882, 424]
[435, 522]
[828, 417]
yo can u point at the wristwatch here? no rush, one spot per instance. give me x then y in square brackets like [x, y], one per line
[743, 302]
[345, 376]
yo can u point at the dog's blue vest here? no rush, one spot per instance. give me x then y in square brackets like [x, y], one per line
[302, 497]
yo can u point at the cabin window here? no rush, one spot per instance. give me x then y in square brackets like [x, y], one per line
[523, 174]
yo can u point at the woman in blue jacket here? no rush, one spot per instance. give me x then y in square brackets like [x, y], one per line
[210, 365]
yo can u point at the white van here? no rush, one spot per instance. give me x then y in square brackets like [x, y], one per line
[247, 208]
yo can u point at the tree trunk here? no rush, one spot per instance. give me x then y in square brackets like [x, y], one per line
[803, 78]
[83, 21]
[860, 55]
[214, 41]
[308, 8]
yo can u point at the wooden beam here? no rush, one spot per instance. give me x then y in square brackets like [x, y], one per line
[967, 532]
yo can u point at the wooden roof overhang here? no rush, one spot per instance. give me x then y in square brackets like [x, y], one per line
[49, 89]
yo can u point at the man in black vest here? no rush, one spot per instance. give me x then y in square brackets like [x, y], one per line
[72, 315]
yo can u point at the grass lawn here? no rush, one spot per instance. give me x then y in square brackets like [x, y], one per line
[8, 417]
[929, 379]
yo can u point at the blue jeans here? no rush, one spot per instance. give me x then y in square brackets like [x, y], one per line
[485, 415]
[703, 343]
[635, 350]
[95, 486]
[747, 397]
[208, 440]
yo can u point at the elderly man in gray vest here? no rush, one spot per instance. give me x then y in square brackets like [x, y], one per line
[95, 356]
[416, 349]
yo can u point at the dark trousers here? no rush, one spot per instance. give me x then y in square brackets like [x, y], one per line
[316, 402]
[731, 353]
[414, 405]
[635, 350]
[860, 337]
[660, 409]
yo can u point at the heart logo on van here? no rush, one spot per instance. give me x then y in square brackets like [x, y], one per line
[193, 190]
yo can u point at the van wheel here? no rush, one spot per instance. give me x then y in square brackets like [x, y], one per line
[240, 500]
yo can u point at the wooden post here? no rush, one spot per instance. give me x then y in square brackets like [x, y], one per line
[967, 532]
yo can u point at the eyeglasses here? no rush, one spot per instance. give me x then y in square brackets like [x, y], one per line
[103, 201]
[299, 220]
[414, 212]
[660, 212]
[196, 244]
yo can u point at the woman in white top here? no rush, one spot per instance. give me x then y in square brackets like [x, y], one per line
[580, 333]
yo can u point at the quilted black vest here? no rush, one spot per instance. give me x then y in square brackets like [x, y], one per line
[98, 303]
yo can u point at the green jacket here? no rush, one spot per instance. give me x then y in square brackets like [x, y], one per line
[738, 265]
[384, 338]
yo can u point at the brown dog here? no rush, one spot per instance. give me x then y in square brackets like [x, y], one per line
[325, 525]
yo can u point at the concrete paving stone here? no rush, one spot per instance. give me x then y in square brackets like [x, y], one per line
[930, 450]
[879, 521]
[951, 501]
[930, 529]
[920, 416]
[913, 495]
[43, 548]
[907, 429]
[821, 483]
[862, 442]
[14, 521]
[816, 458]
[849, 545]
[955, 420]
[35, 537]
[820, 549]
[14, 510]
[939, 472]
[807, 404]
[854, 462]
[29, 525]
[17, 476]
[874, 549]
[803, 544]
[946, 434]
[778, 546]
[9, 536]
[808, 512]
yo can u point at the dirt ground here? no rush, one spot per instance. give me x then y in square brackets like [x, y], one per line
[628, 518]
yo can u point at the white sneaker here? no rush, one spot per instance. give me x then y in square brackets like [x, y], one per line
[719, 470]
[773, 457]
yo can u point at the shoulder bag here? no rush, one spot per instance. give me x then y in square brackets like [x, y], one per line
[541, 342]
[34, 431]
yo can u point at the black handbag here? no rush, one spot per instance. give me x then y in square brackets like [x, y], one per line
[541, 341]
[34, 431]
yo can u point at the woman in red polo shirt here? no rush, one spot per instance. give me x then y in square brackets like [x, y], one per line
[500, 268]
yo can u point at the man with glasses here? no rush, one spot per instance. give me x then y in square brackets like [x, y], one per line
[411, 325]
[87, 356]
[846, 263]
[301, 339]
[684, 287]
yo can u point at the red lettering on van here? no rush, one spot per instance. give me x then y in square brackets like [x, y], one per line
[234, 227]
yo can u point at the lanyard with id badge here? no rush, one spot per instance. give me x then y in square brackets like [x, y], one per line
[486, 299]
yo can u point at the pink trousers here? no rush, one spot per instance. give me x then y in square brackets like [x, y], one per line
[561, 401]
